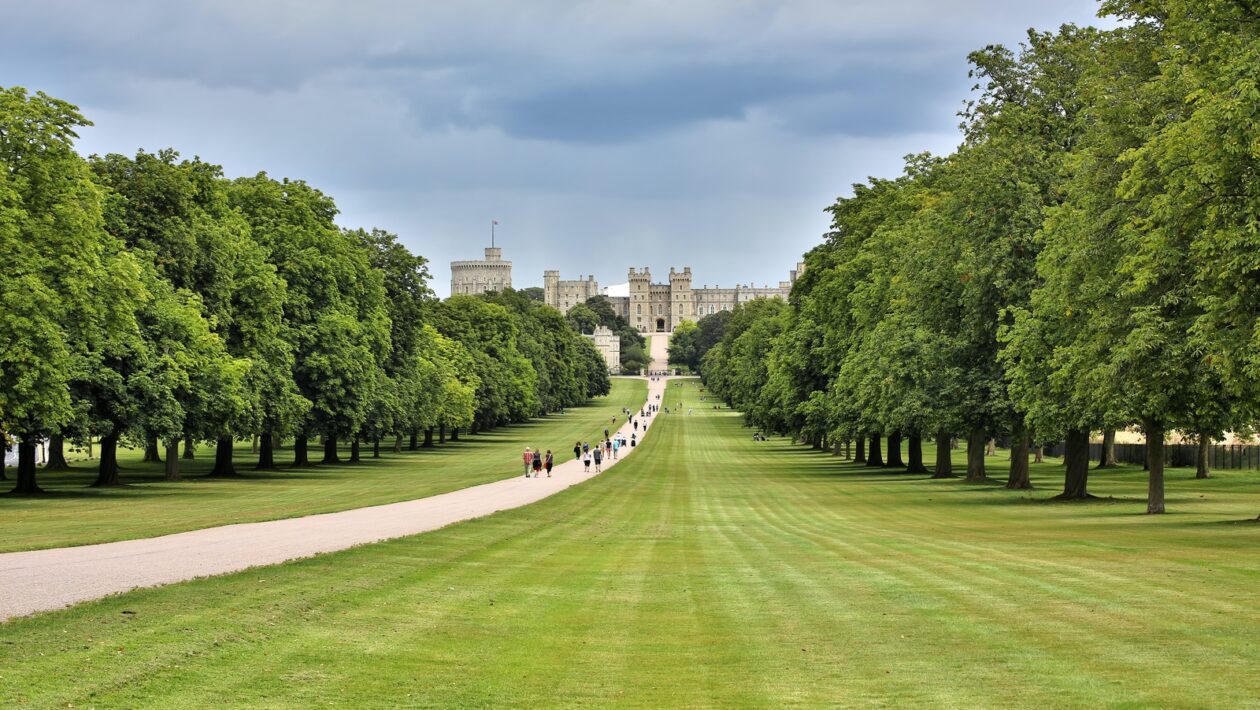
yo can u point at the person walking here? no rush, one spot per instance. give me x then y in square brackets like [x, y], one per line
[577, 450]
[586, 461]
[616, 444]
[605, 433]
[529, 460]
[632, 438]
[636, 425]
[608, 448]
[537, 463]
[599, 456]
[548, 463]
[586, 447]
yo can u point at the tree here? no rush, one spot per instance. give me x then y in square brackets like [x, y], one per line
[682, 345]
[335, 321]
[68, 286]
[583, 318]
[175, 215]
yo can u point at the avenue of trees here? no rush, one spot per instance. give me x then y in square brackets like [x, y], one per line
[150, 301]
[1088, 259]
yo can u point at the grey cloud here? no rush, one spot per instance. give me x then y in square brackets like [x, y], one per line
[601, 133]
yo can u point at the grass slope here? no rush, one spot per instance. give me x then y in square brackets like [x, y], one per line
[706, 571]
[73, 514]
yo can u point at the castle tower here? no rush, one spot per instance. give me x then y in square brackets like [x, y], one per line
[475, 277]
[551, 288]
[682, 304]
[640, 304]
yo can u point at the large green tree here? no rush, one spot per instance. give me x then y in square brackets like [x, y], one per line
[69, 289]
[335, 319]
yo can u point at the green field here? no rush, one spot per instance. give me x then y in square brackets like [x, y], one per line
[73, 514]
[710, 570]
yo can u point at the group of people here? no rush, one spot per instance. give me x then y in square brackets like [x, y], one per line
[536, 462]
[607, 450]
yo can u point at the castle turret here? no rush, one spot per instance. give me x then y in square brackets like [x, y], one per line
[551, 288]
[682, 305]
[640, 306]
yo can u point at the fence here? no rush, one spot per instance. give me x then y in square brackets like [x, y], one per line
[1220, 456]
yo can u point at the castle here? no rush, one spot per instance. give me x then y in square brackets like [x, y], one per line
[476, 276]
[649, 307]
[658, 308]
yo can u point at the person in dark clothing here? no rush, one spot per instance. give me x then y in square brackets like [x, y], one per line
[548, 463]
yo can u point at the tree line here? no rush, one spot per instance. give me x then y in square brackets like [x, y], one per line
[151, 301]
[1088, 259]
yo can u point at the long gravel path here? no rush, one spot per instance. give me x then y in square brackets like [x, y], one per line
[42, 580]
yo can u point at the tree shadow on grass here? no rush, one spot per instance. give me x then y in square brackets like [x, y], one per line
[121, 491]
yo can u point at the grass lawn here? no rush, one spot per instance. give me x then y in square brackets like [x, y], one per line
[710, 570]
[73, 514]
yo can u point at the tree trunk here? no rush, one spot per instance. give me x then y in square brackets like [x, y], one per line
[1018, 479]
[56, 455]
[1203, 468]
[398, 443]
[874, 457]
[976, 443]
[172, 459]
[860, 457]
[455, 434]
[428, 438]
[300, 455]
[223, 464]
[266, 452]
[990, 449]
[944, 456]
[1107, 456]
[837, 449]
[354, 450]
[330, 450]
[26, 469]
[4, 451]
[442, 434]
[151, 453]
[189, 447]
[413, 442]
[1076, 464]
[894, 460]
[90, 454]
[915, 448]
[1038, 453]
[376, 448]
[107, 471]
[1155, 462]
[253, 447]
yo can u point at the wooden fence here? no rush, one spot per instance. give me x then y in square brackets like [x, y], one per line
[1220, 456]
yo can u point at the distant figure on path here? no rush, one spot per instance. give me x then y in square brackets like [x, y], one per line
[537, 463]
[548, 463]
[632, 438]
[599, 456]
[586, 461]
[616, 444]
[577, 450]
[529, 460]
[586, 447]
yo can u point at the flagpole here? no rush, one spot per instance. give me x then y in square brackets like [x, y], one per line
[492, 223]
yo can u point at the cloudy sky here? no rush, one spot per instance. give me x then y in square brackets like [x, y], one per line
[601, 134]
